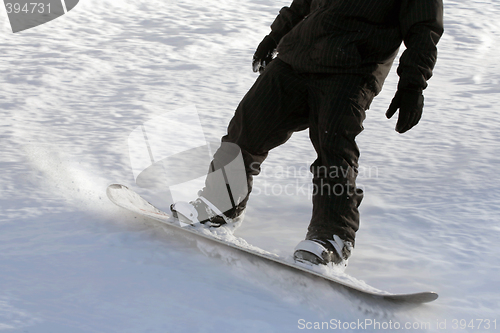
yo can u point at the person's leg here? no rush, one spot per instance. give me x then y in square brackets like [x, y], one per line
[274, 108]
[338, 105]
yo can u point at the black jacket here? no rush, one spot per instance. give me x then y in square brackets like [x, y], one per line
[361, 37]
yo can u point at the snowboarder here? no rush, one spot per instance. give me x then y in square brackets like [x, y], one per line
[320, 68]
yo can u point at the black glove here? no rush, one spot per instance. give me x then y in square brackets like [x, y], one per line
[264, 54]
[410, 104]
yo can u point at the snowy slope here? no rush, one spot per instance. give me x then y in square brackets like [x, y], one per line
[70, 261]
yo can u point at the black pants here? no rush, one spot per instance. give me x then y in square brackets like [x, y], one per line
[332, 106]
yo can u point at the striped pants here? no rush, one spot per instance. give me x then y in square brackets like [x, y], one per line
[332, 107]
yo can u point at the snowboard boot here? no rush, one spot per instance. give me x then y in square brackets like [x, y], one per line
[203, 211]
[334, 252]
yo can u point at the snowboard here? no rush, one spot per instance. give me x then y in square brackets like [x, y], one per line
[126, 198]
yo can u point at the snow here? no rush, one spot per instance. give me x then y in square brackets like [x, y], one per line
[71, 261]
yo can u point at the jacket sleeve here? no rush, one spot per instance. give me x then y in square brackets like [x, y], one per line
[421, 23]
[288, 17]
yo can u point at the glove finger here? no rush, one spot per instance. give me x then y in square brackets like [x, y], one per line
[413, 120]
[256, 65]
[403, 121]
[393, 107]
[261, 51]
[258, 57]
[418, 116]
[405, 128]
[391, 110]
[263, 63]
[414, 117]
[417, 111]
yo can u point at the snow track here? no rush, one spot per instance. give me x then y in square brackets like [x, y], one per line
[70, 261]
